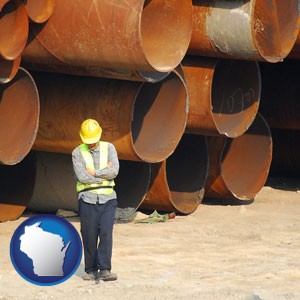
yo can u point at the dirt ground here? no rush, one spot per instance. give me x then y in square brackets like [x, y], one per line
[221, 251]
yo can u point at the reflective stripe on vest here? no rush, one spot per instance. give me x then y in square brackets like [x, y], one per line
[89, 163]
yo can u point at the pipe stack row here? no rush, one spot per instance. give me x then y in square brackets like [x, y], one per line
[176, 87]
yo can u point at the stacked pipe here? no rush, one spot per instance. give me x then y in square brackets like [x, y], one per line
[252, 31]
[15, 17]
[19, 102]
[175, 85]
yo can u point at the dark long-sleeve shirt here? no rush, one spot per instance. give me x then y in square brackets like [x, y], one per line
[83, 176]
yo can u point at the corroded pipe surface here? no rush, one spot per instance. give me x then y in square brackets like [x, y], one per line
[239, 167]
[14, 26]
[19, 117]
[224, 95]
[39, 11]
[281, 94]
[9, 69]
[249, 30]
[46, 62]
[147, 36]
[177, 184]
[52, 192]
[16, 188]
[286, 159]
[144, 121]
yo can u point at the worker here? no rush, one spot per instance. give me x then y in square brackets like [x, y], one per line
[95, 166]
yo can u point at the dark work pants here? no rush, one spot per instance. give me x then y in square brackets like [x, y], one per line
[97, 221]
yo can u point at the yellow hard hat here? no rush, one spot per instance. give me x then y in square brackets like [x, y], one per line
[90, 131]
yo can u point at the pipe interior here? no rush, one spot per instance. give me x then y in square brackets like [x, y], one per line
[19, 117]
[166, 32]
[14, 27]
[246, 160]
[132, 183]
[275, 28]
[17, 184]
[235, 96]
[159, 118]
[187, 170]
[52, 192]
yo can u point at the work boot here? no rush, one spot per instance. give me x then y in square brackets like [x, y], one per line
[91, 276]
[106, 275]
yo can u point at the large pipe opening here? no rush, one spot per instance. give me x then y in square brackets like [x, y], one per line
[131, 114]
[275, 27]
[143, 36]
[132, 183]
[19, 117]
[224, 95]
[177, 184]
[235, 96]
[240, 166]
[166, 31]
[159, 118]
[192, 162]
[14, 27]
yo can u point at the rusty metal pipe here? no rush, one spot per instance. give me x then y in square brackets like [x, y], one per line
[177, 184]
[239, 167]
[52, 193]
[39, 11]
[19, 117]
[14, 26]
[148, 36]
[249, 30]
[144, 121]
[16, 188]
[9, 69]
[280, 94]
[286, 160]
[224, 95]
[46, 62]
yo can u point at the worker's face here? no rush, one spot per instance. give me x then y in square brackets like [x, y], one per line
[92, 146]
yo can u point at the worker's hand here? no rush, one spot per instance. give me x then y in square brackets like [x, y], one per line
[91, 172]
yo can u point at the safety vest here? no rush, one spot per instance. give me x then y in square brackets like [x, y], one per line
[106, 186]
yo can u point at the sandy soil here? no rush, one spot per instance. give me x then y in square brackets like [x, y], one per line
[249, 251]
